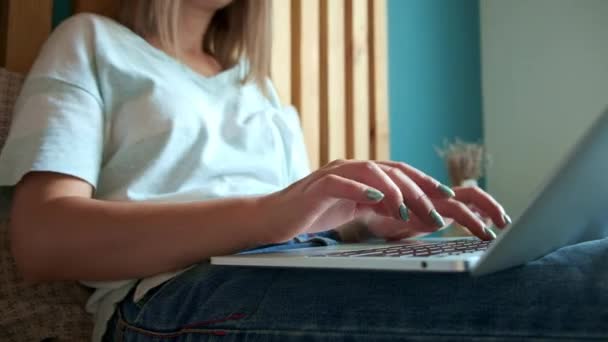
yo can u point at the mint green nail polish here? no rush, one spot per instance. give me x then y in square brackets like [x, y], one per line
[437, 218]
[403, 212]
[374, 194]
[489, 231]
[446, 190]
[507, 218]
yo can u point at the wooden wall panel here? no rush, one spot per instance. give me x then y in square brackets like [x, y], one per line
[357, 80]
[333, 86]
[305, 75]
[108, 8]
[281, 49]
[380, 140]
[3, 31]
[27, 24]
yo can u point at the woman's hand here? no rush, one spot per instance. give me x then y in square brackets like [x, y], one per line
[394, 193]
[471, 207]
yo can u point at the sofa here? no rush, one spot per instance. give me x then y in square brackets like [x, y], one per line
[33, 312]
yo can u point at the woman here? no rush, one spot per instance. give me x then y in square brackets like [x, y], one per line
[143, 148]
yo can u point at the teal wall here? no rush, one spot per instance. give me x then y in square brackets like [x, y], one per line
[434, 78]
[61, 10]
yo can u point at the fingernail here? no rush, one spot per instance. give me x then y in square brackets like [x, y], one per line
[374, 194]
[403, 212]
[437, 218]
[489, 232]
[506, 218]
[446, 190]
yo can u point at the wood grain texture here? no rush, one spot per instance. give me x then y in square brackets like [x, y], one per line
[305, 76]
[333, 78]
[109, 8]
[280, 72]
[357, 80]
[28, 25]
[3, 31]
[379, 122]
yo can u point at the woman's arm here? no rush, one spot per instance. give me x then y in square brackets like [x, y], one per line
[60, 232]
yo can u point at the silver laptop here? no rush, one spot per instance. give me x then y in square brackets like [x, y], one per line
[571, 207]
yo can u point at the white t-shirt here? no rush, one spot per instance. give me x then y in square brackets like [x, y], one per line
[103, 105]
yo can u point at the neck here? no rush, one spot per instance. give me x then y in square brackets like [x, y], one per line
[192, 25]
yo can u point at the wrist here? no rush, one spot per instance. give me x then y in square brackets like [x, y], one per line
[268, 230]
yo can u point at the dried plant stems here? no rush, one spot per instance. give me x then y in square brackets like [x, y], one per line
[464, 160]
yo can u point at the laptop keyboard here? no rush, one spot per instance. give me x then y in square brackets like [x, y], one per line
[418, 248]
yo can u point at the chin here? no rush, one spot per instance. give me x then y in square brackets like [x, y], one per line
[208, 5]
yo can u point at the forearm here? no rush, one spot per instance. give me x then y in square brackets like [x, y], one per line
[86, 239]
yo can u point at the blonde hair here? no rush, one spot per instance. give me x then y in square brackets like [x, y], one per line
[241, 30]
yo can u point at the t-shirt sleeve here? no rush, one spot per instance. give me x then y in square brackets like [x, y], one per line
[58, 121]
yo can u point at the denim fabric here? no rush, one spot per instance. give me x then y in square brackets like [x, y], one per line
[562, 296]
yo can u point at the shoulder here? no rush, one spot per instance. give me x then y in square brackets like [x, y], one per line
[74, 37]
[70, 53]
[80, 27]
[86, 23]
[83, 31]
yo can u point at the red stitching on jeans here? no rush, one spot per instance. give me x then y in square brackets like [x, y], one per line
[233, 317]
[122, 325]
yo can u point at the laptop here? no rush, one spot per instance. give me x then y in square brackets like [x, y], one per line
[571, 207]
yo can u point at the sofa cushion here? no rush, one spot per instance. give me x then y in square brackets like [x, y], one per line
[10, 83]
[34, 312]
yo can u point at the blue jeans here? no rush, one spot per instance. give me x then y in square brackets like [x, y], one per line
[562, 296]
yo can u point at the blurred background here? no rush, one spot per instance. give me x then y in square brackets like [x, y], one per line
[526, 77]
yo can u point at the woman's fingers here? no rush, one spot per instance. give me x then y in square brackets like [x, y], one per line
[402, 194]
[382, 226]
[465, 217]
[370, 173]
[484, 202]
[391, 229]
[432, 187]
[404, 190]
[332, 186]
[414, 197]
